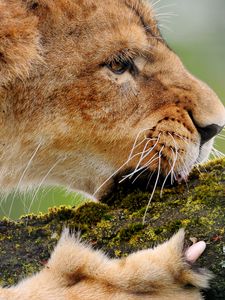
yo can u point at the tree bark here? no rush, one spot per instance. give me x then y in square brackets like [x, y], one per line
[116, 225]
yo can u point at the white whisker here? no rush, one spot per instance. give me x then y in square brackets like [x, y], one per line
[163, 26]
[154, 188]
[220, 136]
[218, 153]
[138, 170]
[22, 176]
[166, 14]
[147, 153]
[135, 141]
[116, 172]
[165, 6]
[130, 157]
[42, 181]
[149, 180]
[167, 176]
[173, 176]
[136, 146]
[175, 145]
[142, 172]
[155, 3]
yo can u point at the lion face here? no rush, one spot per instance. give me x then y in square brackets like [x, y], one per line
[105, 93]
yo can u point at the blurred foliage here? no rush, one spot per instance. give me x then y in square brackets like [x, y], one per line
[196, 32]
[15, 205]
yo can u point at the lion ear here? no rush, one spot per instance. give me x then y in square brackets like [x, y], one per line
[19, 41]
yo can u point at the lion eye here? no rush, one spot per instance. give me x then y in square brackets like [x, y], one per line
[119, 67]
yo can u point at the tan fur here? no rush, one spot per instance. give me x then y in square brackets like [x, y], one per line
[56, 95]
[75, 272]
[67, 119]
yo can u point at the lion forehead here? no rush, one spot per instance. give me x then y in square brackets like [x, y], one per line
[99, 15]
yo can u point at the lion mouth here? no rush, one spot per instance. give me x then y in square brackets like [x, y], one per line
[145, 181]
[163, 172]
[163, 160]
[148, 179]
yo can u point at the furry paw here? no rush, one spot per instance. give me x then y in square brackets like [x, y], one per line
[177, 263]
[75, 271]
[162, 268]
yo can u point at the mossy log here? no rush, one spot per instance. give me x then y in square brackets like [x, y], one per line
[116, 225]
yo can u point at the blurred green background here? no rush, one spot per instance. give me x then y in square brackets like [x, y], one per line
[196, 31]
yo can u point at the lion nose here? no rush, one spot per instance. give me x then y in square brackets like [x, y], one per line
[208, 132]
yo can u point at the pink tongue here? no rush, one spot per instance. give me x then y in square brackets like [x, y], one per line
[195, 251]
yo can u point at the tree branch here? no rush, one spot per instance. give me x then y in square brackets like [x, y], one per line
[116, 225]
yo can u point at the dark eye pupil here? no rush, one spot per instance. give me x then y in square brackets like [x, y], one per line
[34, 6]
[119, 67]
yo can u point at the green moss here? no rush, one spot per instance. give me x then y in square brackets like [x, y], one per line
[91, 213]
[127, 232]
[116, 226]
[135, 201]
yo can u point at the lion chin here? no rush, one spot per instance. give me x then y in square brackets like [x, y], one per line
[89, 89]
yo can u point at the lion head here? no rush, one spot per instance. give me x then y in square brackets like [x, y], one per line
[89, 88]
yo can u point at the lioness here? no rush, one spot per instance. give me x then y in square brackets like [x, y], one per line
[89, 88]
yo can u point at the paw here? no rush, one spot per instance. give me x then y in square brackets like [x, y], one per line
[163, 268]
[5, 294]
[179, 264]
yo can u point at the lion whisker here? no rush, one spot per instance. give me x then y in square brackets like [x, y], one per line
[176, 154]
[155, 185]
[166, 14]
[173, 177]
[167, 176]
[2, 200]
[142, 172]
[150, 160]
[220, 136]
[217, 153]
[143, 156]
[43, 194]
[164, 6]
[184, 164]
[145, 152]
[42, 181]
[135, 141]
[149, 180]
[116, 172]
[22, 176]
[139, 169]
[163, 26]
[153, 5]
[186, 140]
